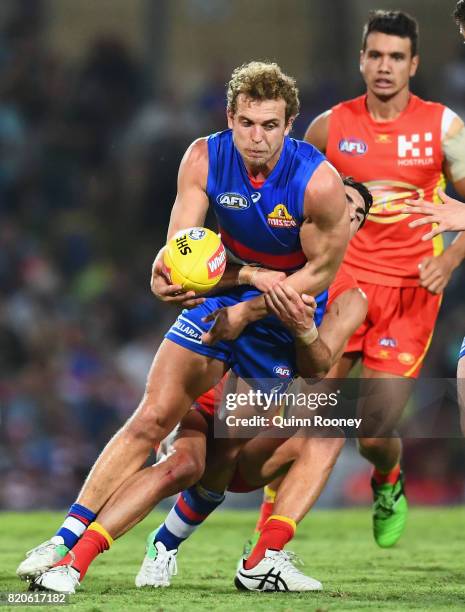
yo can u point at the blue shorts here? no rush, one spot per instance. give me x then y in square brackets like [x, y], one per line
[462, 350]
[264, 350]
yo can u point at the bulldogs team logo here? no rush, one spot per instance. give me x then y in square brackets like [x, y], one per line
[353, 146]
[280, 217]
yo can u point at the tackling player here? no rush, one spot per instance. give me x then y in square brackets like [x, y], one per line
[401, 147]
[290, 215]
[185, 463]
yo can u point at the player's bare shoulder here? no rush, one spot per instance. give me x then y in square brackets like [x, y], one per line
[194, 164]
[325, 196]
[317, 131]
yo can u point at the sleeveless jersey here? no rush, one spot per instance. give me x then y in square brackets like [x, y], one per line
[260, 225]
[397, 160]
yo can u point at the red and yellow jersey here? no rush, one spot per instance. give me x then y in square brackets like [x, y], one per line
[397, 160]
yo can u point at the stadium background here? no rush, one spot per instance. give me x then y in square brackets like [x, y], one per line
[98, 100]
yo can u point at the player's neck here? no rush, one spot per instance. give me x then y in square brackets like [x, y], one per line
[387, 109]
[260, 173]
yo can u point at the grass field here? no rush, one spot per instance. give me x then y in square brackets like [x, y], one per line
[425, 571]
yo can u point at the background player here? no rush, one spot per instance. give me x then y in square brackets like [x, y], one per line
[400, 146]
[309, 244]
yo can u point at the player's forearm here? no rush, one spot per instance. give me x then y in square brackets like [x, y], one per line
[456, 251]
[311, 279]
[236, 274]
[314, 277]
[314, 360]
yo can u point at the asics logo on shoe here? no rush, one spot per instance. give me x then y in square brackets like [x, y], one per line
[268, 579]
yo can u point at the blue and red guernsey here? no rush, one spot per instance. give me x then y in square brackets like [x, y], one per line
[261, 224]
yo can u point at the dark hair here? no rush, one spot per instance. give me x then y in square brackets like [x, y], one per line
[363, 191]
[459, 13]
[395, 23]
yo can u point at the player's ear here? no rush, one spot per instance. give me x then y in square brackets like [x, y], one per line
[290, 123]
[414, 65]
[361, 60]
[230, 118]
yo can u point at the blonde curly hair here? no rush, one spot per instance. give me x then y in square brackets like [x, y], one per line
[263, 81]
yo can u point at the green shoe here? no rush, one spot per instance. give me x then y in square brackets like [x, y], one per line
[389, 512]
[250, 545]
[159, 564]
[150, 550]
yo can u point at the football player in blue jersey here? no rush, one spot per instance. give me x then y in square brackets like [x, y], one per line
[183, 455]
[293, 219]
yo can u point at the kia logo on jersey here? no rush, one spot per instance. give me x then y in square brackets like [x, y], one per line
[353, 146]
[236, 201]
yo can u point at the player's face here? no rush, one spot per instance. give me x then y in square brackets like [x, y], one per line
[387, 64]
[356, 209]
[259, 128]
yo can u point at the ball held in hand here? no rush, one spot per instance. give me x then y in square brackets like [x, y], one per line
[195, 258]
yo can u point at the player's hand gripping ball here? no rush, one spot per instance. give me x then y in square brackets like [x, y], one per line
[195, 258]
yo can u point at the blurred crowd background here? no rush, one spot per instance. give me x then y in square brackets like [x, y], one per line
[98, 101]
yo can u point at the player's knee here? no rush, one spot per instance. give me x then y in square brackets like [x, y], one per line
[366, 446]
[186, 468]
[149, 424]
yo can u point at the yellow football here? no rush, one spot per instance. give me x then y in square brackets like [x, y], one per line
[195, 258]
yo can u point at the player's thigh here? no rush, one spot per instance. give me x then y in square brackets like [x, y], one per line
[342, 368]
[403, 320]
[263, 459]
[176, 378]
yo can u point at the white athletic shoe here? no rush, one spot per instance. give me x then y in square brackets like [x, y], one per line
[42, 558]
[158, 566]
[166, 446]
[60, 579]
[275, 572]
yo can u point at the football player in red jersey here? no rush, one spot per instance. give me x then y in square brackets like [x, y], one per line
[402, 147]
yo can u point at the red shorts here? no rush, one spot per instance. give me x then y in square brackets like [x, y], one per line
[208, 401]
[397, 330]
[239, 484]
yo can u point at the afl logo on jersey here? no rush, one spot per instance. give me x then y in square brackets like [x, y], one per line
[282, 371]
[236, 201]
[352, 146]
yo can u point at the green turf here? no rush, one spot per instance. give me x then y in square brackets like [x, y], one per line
[426, 570]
